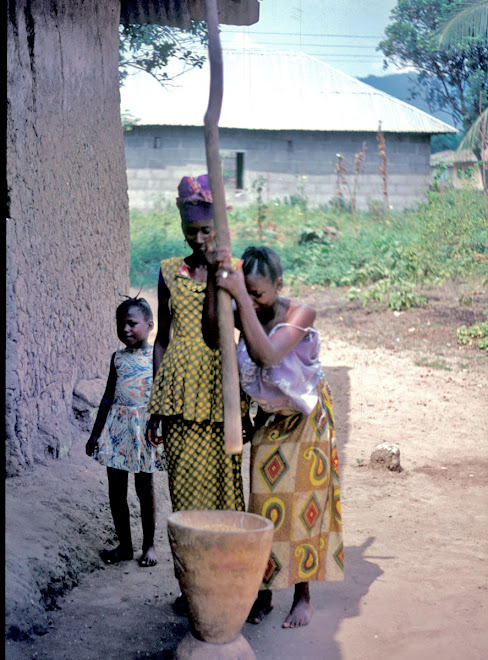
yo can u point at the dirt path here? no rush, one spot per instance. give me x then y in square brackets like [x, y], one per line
[416, 541]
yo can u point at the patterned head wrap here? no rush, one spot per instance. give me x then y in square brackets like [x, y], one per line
[194, 199]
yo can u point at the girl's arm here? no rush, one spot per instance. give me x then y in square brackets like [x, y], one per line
[263, 350]
[105, 403]
[160, 345]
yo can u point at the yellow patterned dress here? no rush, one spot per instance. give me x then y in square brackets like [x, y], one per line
[187, 390]
[294, 465]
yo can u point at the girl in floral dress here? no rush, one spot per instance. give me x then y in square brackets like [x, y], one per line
[117, 440]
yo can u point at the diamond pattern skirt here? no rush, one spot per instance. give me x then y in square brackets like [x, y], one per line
[295, 483]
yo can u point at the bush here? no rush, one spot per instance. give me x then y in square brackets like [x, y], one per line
[477, 332]
[154, 236]
[450, 227]
[388, 259]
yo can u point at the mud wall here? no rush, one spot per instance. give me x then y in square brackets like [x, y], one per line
[68, 226]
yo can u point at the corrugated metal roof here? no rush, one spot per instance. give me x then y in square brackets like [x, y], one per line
[276, 90]
[450, 157]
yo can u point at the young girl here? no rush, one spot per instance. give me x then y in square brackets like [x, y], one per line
[117, 439]
[294, 467]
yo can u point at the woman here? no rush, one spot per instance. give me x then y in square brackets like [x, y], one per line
[185, 406]
[294, 467]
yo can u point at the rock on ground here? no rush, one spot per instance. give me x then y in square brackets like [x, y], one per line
[386, 456]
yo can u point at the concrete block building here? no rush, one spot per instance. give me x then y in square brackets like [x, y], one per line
[286, 117]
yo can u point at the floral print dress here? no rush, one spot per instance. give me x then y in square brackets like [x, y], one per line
[122, 443]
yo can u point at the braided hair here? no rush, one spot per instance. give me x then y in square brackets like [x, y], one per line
[139, 303]
[262, 261]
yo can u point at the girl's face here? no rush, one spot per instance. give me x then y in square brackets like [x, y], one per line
[196, 233]
[133, 329]
[263, 292]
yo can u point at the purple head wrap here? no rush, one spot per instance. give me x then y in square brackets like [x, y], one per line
[194, 199]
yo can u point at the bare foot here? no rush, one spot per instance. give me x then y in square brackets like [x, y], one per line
[116, 555]
[148, 557]
[300, 615]
[262, 606]
[301, 610]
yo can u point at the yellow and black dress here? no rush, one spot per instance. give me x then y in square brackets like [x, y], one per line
[187, 390]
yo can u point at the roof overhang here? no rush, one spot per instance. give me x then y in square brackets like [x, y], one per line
[180, 13]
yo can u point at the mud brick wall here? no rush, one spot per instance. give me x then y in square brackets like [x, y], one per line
[290, 162]
[68, 229]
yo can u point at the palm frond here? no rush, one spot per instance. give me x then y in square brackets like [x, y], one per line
[474, 137]
[469, 20]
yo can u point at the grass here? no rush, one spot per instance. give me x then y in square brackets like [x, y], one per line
[386, 261]
[433, 364]
[154, 236]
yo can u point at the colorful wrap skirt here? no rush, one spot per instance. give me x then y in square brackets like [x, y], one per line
[295, 483]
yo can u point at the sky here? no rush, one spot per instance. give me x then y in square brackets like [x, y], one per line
[343, 33]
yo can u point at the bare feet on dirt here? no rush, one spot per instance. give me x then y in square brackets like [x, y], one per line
[300, 615]
[148, 557]
[301, 611]
[116, 555]
[262, 606]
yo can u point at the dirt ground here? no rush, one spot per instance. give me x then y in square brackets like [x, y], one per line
[416, 541]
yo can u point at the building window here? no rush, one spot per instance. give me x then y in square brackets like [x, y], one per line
[289, 145]
[157, 143]
[233, 169]
[240, 170]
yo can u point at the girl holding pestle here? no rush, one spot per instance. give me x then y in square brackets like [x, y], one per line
[294, 465]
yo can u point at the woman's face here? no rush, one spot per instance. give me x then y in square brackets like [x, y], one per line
[263, 292]
[196, 233]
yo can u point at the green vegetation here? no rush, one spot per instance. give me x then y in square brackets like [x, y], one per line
[153, 236]
[477, 332]
[150, 48]
[433, 364]
[387, 260]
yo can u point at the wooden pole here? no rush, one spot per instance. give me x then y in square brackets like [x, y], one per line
[230, 375]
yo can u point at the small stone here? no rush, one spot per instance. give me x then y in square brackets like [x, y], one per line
[86, 399]
[386, 456]
[90, 391]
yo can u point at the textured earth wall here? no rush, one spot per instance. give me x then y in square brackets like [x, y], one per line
[68, 228]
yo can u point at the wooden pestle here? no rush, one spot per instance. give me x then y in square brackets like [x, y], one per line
[230, 375]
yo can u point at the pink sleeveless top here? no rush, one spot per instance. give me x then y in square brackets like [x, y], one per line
[292, 383]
